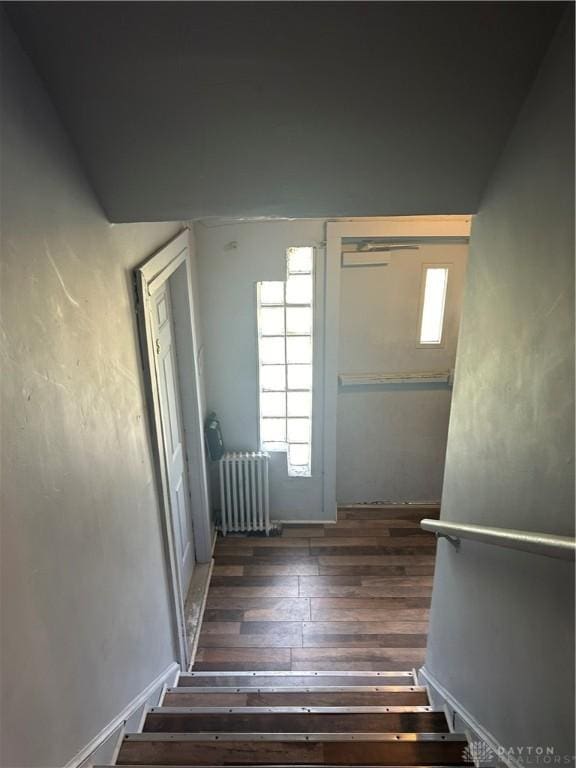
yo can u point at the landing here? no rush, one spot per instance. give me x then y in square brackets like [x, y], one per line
[354, 595]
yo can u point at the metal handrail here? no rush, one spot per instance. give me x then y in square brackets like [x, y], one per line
[563, 547]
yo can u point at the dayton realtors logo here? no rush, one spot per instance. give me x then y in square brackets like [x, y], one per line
[479, 753]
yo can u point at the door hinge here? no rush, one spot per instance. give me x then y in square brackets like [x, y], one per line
[157, 346]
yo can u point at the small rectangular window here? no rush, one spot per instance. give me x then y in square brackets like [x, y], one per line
[433, 304]
[285, 359]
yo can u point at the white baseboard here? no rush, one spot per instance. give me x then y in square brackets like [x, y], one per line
[475, 731]
[387, 504]
[105, 741]
[286, 521]
[196, 634]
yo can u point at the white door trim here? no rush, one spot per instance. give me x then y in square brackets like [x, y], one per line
[400, 226]
[149, 277]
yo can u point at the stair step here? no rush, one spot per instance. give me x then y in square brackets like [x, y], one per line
[297, 679]
[382, 749]
[312, 696]
[295, 719]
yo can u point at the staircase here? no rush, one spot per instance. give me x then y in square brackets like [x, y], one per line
[294, 718]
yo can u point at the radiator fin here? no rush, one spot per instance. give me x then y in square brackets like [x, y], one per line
[244, 497]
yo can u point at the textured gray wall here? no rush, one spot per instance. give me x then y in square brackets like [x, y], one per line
[392, 439]
[502, 632]
[85, 613]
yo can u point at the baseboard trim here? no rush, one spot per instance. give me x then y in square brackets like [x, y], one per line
[388, 504]
[286, 521]
[129, 711]
[475, 730]
[195, 633]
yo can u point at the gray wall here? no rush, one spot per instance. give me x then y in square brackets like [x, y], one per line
[231, 259]
[502, 632]
[200, 109]
[392, 439]
[85, 613]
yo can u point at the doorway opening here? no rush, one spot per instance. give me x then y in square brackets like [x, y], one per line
[394, 296]
[375, 302]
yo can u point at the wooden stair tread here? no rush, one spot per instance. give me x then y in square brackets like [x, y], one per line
[349, 736]
[407, 749]
[318, 696]
[289, 710]
[287, 674]
[296, 719]
[317, 687]
[295, 679]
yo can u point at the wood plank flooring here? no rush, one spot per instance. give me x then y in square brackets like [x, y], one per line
[354, 595]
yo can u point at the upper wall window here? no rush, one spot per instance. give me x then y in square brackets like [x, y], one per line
[285, 335]
[433, 303]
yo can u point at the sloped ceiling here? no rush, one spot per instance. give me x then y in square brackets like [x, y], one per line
[190, 109]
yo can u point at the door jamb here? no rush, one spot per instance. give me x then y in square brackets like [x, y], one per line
[148, 278]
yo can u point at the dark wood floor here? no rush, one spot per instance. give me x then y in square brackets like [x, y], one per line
[354, 595]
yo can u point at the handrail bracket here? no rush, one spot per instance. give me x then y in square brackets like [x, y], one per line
[454, 540]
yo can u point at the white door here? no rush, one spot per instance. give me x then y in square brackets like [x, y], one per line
[170, 407]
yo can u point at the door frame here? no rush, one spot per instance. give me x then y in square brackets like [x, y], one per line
[148, 278]
[397, 226]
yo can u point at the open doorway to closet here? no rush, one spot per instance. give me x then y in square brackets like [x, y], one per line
[395, 290]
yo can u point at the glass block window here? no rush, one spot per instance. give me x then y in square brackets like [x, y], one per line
[285, 361]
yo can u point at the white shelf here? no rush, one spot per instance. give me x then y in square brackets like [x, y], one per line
[374, 379]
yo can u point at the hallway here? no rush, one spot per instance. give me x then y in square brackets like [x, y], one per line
[349, 596]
